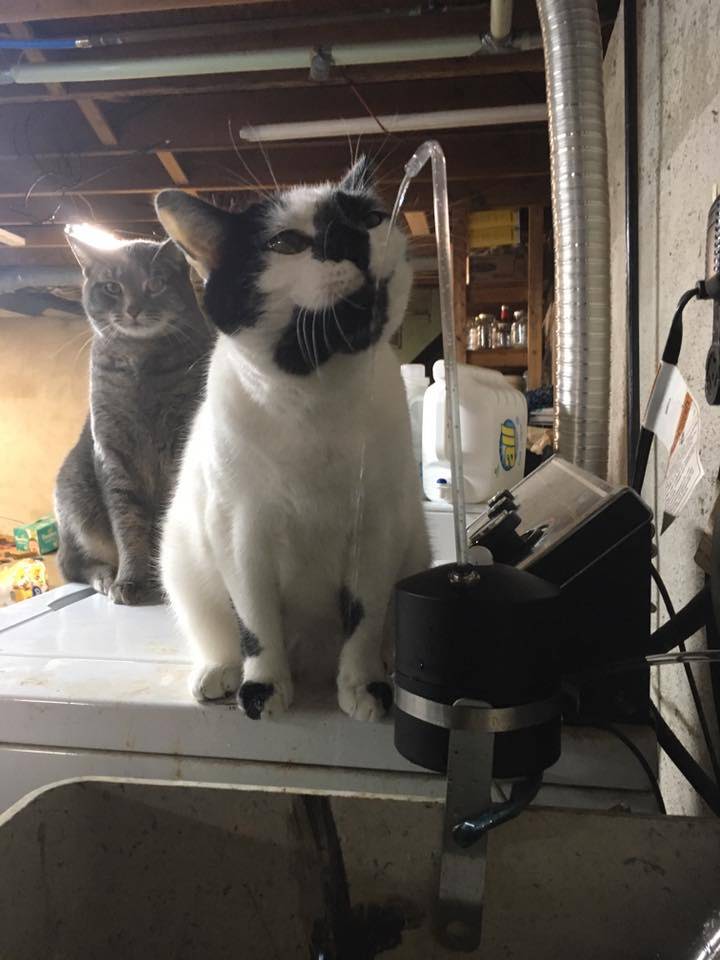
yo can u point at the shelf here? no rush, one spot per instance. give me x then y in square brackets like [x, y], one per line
[505, 358]
[510, 291]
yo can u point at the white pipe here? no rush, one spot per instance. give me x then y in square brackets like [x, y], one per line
[439, 120]
[191, 65]
[501, 12]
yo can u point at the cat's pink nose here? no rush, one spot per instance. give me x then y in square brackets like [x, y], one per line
[132, 312]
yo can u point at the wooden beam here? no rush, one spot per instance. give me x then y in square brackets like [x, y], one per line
[117, 210]
[92, 113]
[417, 222]
[10, 239]
[536, 239]
[96, 118]
[459, 230]
[15, 11]
[46, 237]
[469, 159]
[61, 139]
[21, 31]
[176, 173]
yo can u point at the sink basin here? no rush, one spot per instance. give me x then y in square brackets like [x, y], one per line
[114, 870]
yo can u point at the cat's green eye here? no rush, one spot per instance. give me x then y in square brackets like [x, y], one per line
[156, 284]
[288, 242]
[374, 219]
[113, 288]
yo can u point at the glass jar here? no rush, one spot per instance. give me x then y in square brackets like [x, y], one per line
[518, 330]
[479, 332]
[472, 334]
[501, 335]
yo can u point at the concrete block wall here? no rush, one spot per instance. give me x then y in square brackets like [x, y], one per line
[679, 148]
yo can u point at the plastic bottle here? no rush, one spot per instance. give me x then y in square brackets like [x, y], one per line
[493, 417]
[416, 383]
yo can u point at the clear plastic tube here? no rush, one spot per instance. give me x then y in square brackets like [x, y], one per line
[432, 151]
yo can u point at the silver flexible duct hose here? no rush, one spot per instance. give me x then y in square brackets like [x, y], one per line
[578, 154]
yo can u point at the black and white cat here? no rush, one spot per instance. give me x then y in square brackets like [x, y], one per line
[267, 557]
[148, 365]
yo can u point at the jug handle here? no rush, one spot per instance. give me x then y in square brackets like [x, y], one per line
[440, 430]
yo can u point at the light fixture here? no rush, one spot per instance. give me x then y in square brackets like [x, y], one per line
[94, 236]
[398, 123]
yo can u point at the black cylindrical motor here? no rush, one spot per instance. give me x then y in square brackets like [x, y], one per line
[489, 637]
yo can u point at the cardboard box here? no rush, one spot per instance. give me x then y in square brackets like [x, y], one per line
[494, 228]
[39, 537]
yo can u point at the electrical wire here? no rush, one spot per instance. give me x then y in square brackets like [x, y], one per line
[687, 765]
[695, 615]
[692, 683]
[671, 355]
[641, 759]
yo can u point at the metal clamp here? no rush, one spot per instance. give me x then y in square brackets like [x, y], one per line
[466, 714]
[472, 725]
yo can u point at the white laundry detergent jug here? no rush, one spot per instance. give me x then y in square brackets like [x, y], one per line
[416, 383]
[493, 426]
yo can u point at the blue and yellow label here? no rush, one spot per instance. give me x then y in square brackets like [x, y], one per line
[508, 445]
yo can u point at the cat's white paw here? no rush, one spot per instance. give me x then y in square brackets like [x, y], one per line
[367, 700]
[216, 681]
[266, 700]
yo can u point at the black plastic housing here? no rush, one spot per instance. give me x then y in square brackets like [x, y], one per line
[492, 640]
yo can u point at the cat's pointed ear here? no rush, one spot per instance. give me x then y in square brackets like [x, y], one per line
[84, 252]
[171, 254]
[198, 228]
[360, 177]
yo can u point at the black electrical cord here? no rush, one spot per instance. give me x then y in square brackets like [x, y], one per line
[632, 292]
[641, 759]
[687, 765]
[671, 355]
[692, 683]
[713, 623]
[695, 615]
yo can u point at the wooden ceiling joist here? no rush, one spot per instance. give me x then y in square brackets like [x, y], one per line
[92, 113]
[15, 11]
[21, 31]
[172, 167]
[10, 239]
[474, 158]
[136, 208]
[97, 120]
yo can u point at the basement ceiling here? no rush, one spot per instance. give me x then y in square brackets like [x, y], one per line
[98, 151]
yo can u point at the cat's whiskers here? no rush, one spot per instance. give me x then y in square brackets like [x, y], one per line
[268, 164]
[340, 329]
[306, 338]
[263, 190]
[298, 320]
[328, 347]
[314, 343]
[82, 348]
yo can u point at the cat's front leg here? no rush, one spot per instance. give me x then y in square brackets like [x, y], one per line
[133, 527]
[364, 691]
[267, 688]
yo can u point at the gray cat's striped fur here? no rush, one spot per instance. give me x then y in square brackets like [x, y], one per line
[148, 365]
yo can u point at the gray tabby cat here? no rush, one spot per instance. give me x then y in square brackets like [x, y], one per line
[148, 366]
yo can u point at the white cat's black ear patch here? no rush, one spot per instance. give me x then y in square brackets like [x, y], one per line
[198, 228]
[360, 176]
